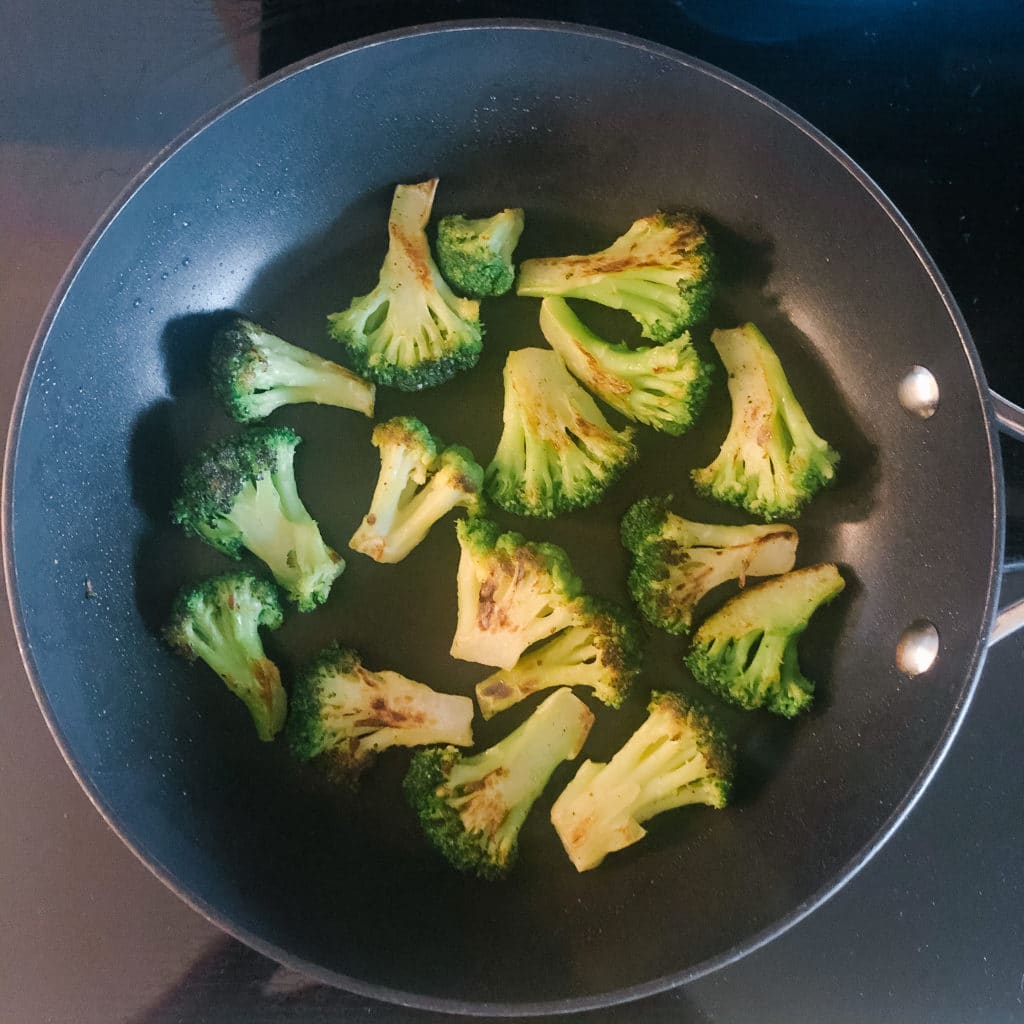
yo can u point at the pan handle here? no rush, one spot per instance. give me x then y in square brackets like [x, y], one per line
[1010, 418]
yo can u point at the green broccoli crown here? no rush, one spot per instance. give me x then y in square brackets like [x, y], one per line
[235, 364]
[237, 591]
[677, 561]
[418, 484]
[603, 652]
[663, 387]
[479, 535]
[557, 452]
[659, 566]
[511, 593]
[643, 535]
[218, 473]
[459, 465]
[409, 433]
[675, 758]
[475, 256]
[661, 271]
[473, 808]
[426, 792]
[240, 492]
[254, 372]
[619, 641]
[643, 522]
[344, 714]
[218, 621]
[412, 331]
[306, 732]
[772, 462]
[746, 652]
[509, 554]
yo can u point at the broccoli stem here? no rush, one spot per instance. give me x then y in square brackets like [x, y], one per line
[227, 647]
[324, 387]
[279, 531]
[422, 716]
[659, 780]
[420, 513]
[408, 258]
[774, 661]
[538, 618]
[297, 375]
[403, 468]
[229, 642]
[566, 660]
[521, 764]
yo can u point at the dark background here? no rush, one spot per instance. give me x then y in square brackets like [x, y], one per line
[928, 97]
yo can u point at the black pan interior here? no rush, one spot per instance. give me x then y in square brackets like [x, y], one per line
[277, 209]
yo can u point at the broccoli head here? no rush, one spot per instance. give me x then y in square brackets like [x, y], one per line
[603, 652]
[218, 621]
[475, 256]
[412, 331]
[746, 652]
[472, 808]
[556, 452]
[677, 561]
[511, 593]
[664, 387]
[255, 372]
[342, 714]
[240, 493]
[676, 757]
[661, 271]
[772, 462]
[419, 482]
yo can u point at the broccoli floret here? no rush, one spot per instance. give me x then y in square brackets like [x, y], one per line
[472, 808]
[603, 652]
[677, 561]
[218, 620]
[511, 593]
[240, 493]
[746, 652]
[475, 256]
[419, 482]
[661, 271]
[255, 372]
[557, 452]
[663, 387]
[343, 714]
[676, 757]
[412, 331]
[772, 462]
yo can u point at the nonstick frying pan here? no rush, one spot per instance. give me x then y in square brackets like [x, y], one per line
[275, 206]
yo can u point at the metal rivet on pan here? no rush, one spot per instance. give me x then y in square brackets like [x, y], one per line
[918, 648]
[919, 392]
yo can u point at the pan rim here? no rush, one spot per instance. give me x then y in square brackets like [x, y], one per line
[384, 993]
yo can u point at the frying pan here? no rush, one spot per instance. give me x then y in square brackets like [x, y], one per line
[275, 206]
